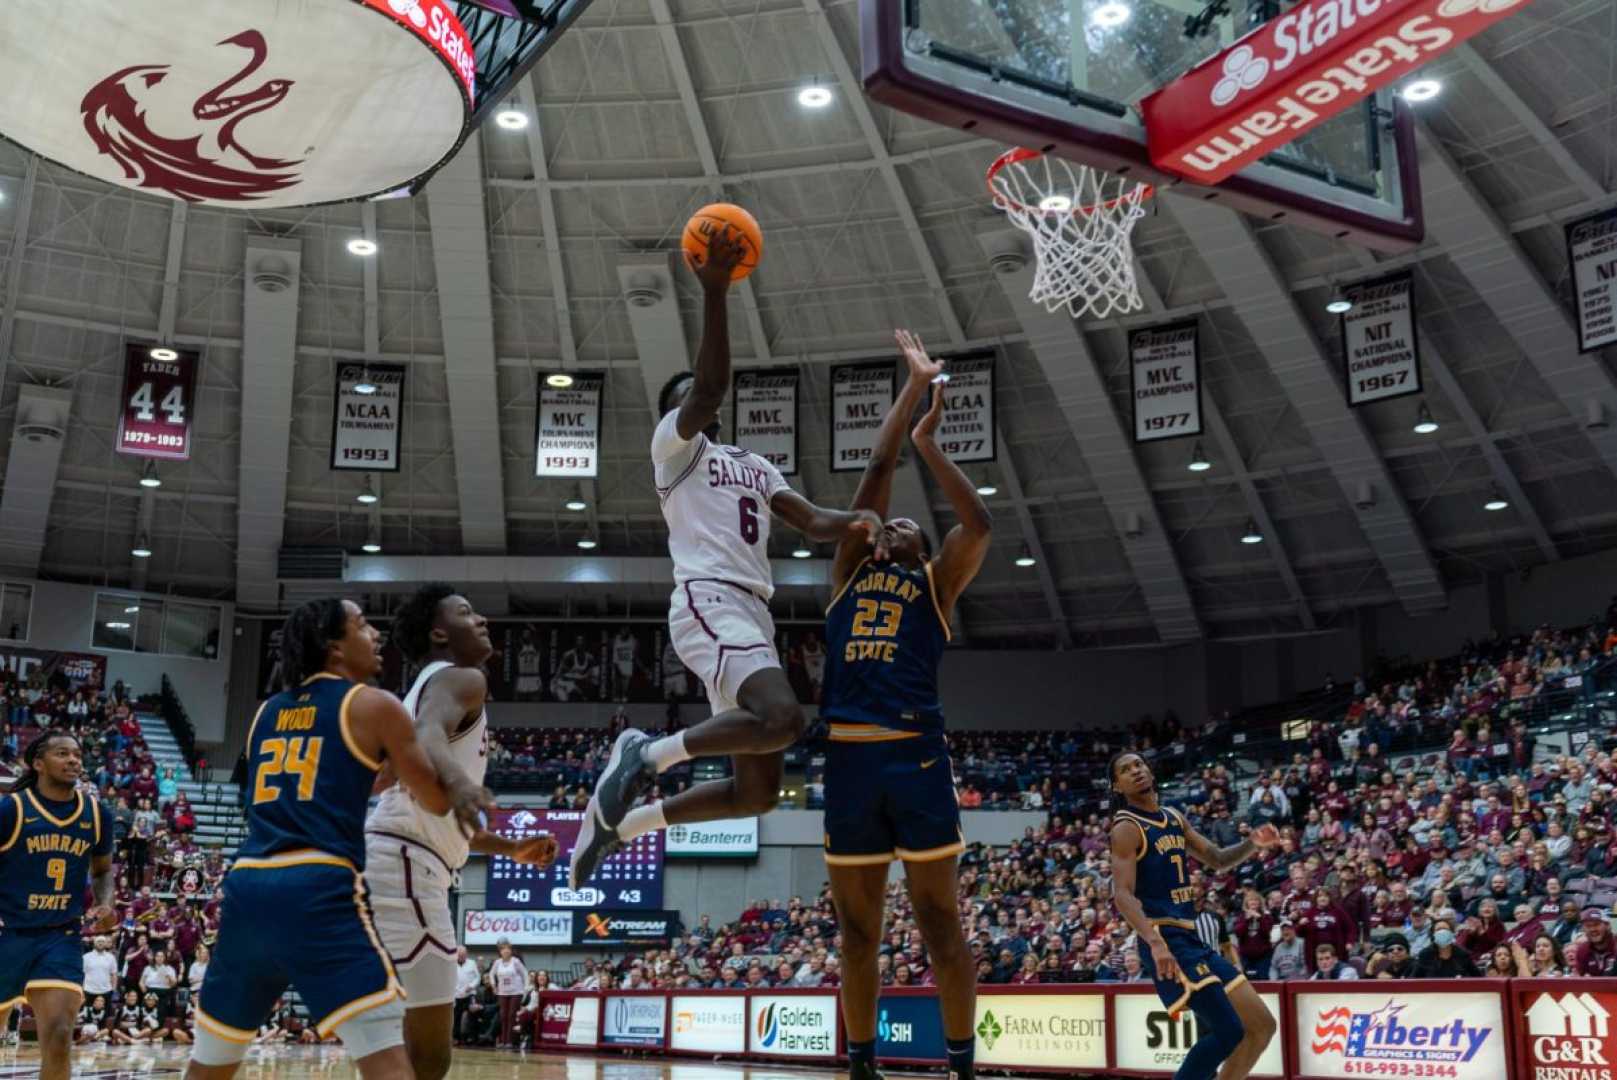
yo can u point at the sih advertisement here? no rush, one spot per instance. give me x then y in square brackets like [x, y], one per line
[1569, 1035]
[1456, 1035]
[731, 838]
[1157, 1043]
[634, 1020]
[909, 1028]
[520, 928]
[1591, 247]
[1042, 1031]
[799, 1026]
[714, 1024]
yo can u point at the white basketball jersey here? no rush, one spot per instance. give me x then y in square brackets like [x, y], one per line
[716, 502]
[397, 811]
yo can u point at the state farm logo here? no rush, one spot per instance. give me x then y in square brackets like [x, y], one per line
[410, 9]
[1570, 1037]
[1243, 70]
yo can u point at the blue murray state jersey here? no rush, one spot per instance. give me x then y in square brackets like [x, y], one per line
[45, 852]
[884, 639]
[307, 781]
[1161, 870]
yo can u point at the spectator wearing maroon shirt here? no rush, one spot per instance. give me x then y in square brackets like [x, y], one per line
[1253, 928]
[1482, 932]
[1327, 924]
[144, 785]
[1596, 954]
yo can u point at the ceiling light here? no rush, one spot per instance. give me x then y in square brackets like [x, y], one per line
[802, 553]
[367, 494]
[1025, 557]
[142, 548]
[364, 385]
[814, 97]
[511, 119]
[1424, 424]
[587, 543]
[1056, 204]
[1422, 90]
[1198, 460]
[1338, 304]
[163, 355]
[149, 477]
[371, 547]
[1251, 535]
[559, 380]
[360, 246]
[117, 624]
[131, 609]
[1496, 501]
[576, 503]
[1111, 14]
[986, 489]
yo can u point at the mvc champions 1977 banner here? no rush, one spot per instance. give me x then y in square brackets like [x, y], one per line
[366, 428]
[159, 397]
[568, 421]
[861, 394]
[966, 433]
[766, 415]
[1165, 384]
[1381, 358]
[1591, 246]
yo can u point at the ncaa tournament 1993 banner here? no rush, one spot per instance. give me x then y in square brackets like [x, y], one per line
[966, 432]
[1165, 382]
[568, 439]
[159, 395]
[1459, 1035]
[861, 394]
[1591, 246]
[366, 428]
[766, 415]
[1381, 358]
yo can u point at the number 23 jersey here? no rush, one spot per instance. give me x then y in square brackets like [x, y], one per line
[715, 499]
[45, 852]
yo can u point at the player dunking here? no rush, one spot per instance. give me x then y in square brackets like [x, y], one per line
[294, 908]
[52, 840]
[717, 501]
[1151, 890]
[889, 783]
[413, 855]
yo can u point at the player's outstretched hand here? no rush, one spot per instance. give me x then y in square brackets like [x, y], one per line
[1266, 836]
[537, 851]
[470, 804]
[922, 367]
[1167, 966]
[927, 426]
[725, 250]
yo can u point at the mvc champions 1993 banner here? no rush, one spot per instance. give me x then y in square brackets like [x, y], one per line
[366, 428]
[1591, 246]
[966, 433]
[1165, 384]
[1381, 357]
[568, 437]
[159, 396]
[861, 394]
[766, 415]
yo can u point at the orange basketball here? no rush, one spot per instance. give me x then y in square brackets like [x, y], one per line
[715, 216]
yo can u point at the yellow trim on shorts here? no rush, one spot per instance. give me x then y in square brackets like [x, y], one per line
[859, 860]
[348, 736]
[298, 857]
[868, 733]
[840, 592]
[7, 1006]
[224, 1031]
[937, 608]
[51, 984]
[1239, 980]
[1182, 924]
[16, 830]
[60, 823]
[931, 854]
[1190, 988]
[356, 1007]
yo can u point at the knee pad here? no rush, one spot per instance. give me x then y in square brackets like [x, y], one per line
[373, 1030]
[211, 1050]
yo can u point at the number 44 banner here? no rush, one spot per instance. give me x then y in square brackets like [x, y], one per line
[159, 392]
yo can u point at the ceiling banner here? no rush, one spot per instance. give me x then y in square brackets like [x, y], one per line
[766, 415]
[1165, 388]
[568, 439]
[1381, 355]
[861, 394]
[159, 397]
[366, 428]
[1591, 247]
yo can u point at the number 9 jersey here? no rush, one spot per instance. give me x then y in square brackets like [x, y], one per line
[45, 853]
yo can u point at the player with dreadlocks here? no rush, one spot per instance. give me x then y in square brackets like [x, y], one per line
[52, 840]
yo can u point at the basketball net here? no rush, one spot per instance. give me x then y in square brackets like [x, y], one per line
[1080, 220]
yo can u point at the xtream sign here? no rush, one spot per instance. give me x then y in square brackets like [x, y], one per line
[1297, 71]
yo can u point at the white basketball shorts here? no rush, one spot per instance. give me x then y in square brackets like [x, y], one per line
[409, 893]
[723, 633]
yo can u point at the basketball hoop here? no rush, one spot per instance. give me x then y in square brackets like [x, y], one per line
[1080, 220]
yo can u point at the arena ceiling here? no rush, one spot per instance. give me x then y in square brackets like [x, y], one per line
[649, 108]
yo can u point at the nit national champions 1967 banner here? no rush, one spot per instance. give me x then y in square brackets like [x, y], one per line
[1380, 353]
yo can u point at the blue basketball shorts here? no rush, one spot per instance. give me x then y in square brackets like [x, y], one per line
[1201, 967]
[888, 799]
[39, 960]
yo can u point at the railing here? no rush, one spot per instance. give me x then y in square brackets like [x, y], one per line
[179, 724]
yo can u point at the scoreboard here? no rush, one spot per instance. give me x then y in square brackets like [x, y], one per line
[631, 880]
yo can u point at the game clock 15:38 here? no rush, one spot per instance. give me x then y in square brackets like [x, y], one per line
[631, 880]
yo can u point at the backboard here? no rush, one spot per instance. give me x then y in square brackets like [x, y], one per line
[1067, 76]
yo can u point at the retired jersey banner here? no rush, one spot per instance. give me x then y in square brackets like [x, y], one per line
[1591, 246]
[568, 440]
[366, 428]
[966, 432]
[159, 395]
[1165, 382]
[1380, 354]
[861, 394]
[766, 415]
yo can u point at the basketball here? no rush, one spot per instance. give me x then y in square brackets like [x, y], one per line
[714, 216]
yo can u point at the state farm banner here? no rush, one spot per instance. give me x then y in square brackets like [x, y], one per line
[793, 1025]
[86, 670]
[366, 428]
[159, 396]
[1564, 1028]
[1388, 1030]
[861, 394]
[1295, 72]
[1042, 1031]
[1165, 382]
[568, 422]
[766, 415]
[966, 432]
[1591, 248]
[1149, 1042]
[1380, 353]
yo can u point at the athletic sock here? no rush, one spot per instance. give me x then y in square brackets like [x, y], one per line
[862, 1053]
[962, 1057]
[641, 820]
[666, 752]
